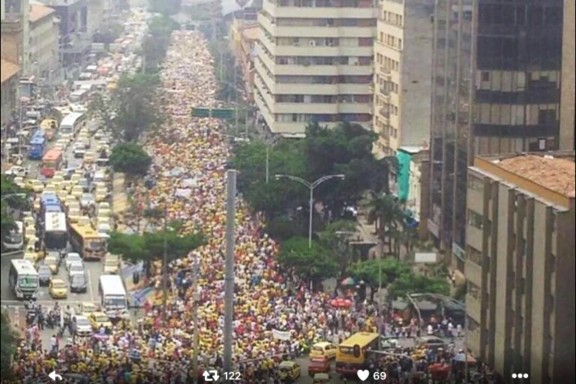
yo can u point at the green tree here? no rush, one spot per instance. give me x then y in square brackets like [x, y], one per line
[8, 345]
[149, 247]
[336, 239]
[312, 263]
[375, 273]
[131, 109]
[8, 187]
[388, 215]
[165, 7]
[131, 159]
[412, 283]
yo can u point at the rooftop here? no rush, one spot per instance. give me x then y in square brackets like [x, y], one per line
[554, 173]
[8, 70]
[38, 12]
[251, 32]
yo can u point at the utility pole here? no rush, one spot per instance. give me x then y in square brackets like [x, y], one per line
[229, 271]
[165, 264]
[196, 302]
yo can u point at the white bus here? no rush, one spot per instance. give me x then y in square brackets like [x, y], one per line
[55, 231]
[71, 124]
[23, 279]
[14, 240]
[113, 296]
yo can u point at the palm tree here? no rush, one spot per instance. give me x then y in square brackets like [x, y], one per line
[386, 213]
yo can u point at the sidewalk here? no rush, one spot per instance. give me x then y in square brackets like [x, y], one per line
[120, 201]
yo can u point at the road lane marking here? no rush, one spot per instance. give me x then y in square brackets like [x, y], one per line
[90, 290]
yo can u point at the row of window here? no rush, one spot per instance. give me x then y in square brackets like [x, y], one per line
[323, 99]
[388, 63]
[308, 22]
[390, 40]
[284, 79]
[325, 3]
[305, 118]
[323, 42]
[392, 18]
[322, 60]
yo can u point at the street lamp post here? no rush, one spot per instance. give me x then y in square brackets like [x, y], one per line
[311, 187]
[165, 264]
[269, 143]
[12, 195]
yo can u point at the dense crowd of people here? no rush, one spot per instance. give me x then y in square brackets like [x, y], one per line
[268, 301]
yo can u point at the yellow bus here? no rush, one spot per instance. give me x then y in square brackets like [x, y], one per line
[353, 353]
[86, 241]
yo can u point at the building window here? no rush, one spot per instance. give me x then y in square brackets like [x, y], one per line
[475, 220]
[474, 256]
[475, 184]
[474, 291]
[485, 76]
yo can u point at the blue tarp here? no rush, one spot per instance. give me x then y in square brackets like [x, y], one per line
[403, 179]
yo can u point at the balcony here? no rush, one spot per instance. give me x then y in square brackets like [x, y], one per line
[314, 70]
[309, 88]
[312, 49]
[314, 31]
[319, 12]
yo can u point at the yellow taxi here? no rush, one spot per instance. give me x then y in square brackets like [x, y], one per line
[49, 189]
[58, 289]
[19, 181]
[111, 266]
[77, 191]
[29, 221]
[74, 214]
[75, 178]
[87, 308]
[103, 212]
[323, 349]
[100, 195]
[89, 157]
[289, 371]
[84, 220]
[52, 262]
[69, 200]
[31, 256]
[98, 320]
[35, 185]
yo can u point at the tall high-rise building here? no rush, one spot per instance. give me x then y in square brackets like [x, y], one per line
[402, 84]
[496, 89]
[520, 265]
[314, 63]
[567, 82]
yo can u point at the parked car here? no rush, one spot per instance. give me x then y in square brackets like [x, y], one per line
[78, 283]
[72, 257]
[44, 275]
[83, 326]
[17, 171]
[58, 289]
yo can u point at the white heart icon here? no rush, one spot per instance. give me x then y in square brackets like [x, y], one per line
[363, 374]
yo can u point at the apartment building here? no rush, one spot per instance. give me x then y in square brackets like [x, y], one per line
[402, 82]
[314, 63]
[503, 96]
[43, 42]
[244, 38]
[17, 12]
[567, 83]
[520, 264]
[9, 92]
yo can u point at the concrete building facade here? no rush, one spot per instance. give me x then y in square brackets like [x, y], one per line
[18, 11]
[402, 83]
[567, 100]
[10, 73]
[520, 265]
[496, 89]
[44, 54]
[314, 63]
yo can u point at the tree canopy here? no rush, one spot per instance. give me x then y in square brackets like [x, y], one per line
[132, 108]
[149, 247]
[345, 149]
[8, 345]
[165, 7]
[413, 283]
[131, 159]
[8, 187]
[311, 263]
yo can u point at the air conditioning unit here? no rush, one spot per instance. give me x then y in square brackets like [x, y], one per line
[312, 43]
